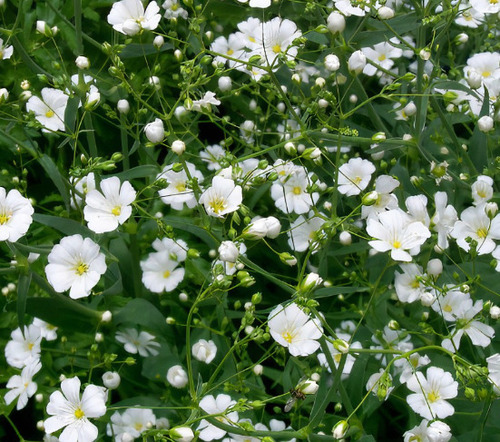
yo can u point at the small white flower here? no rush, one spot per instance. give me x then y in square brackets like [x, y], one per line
[15, 215]
[174, 10]
[217, 406]
[131, 424]
[335, 22]
[437, 431]
[22, 386]
[431, 392]
[212, 155]
[160, 272]
[135, 342]
[178, 192]
[444, 219]
[5, 51]
[47, 331]
[494, 371]
[24, 348]
[356, 62]
[292, 328]
[228, 251]
[75, 264]
[49, 111]
[482, 189]
[129, 17]
[222, 197]
[82, 62]
[332, 62]
[204, 351]
[291, 194]
[105, 211]
[407, 284]
[155, 132]
[70, 412]
[354, 176]
[205, 103]
[177, 377]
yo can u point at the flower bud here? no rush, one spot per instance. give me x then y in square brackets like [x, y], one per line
[106, 316]
[309, 387]
[273, 227]
[332, 62]
[182, 434]
[485, 123]
[228, 251]
[177, 377]
[123, 106]
[385, 13]
[424, 54]
[178, 147]
[491, 209]
[288, 259]
[356, 62]
[258, 369]
[340, 429]
[370, 198]
[178, 55]
[82, 62]
[494, 312]
[225, 84]
[320, 82]
[158, 41]
[345, 238]
[311, 281]
[111, 380]
[462, 38]
[296, 78]
[435, 267]
[290, 148]
[341, 345]
[4, 95]
[427, 299]
[474, 79]
[335, 22]
[155, 131]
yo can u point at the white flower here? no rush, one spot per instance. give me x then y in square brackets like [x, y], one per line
[105, 211]
[131, 424]
[231, 49]
[408, 287]
[217, 406]
[410, 364]
[377, 384]
[452, 304]
[212, 155]
[129, 17]
[173, 10]
[384, 185]
[82, 62]
[75, 264]
[485, 6]
[5, 51]
[354, 176]
[348, 7]
[222, 197]
[155, 132]
[205, 103]
[382, 55]
[160, 272]
[22, 386]
[337, 355]
[135, 342]
[82, 186]
[23, 349]
[178, 193]
[182, 434]
[263, 227]
[482, 189]
[292, 328]
[485, 123]
[49, 111]
[303, 233]
[204, 351]
[335, 22]
[437, 431]
[15, 215]
[257, 3]
[332, 62]
[228, 251]
[291, 195]
[111, 380]
[444, 219]
[70, 412]
[431, 392]
[469, 17]
[395, 231]
[177, 377]
[47, 331]
[494, 371]
[475, 224]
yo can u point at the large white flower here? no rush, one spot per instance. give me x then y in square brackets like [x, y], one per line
[15, 215]
[475, 224]
[303, 233]
[407, 284]
[105, 211]
[431, 392]
[437, 431]
[291, 195]
[70, 412]
[216, 406]
[178, 192]
[22, 386]
[135, 342]
[354, 176]
[292, 328]
[75, 264]
[24, 348]
[129, 17]
[395, 231]
[278, 39]
[222, 197]
[49, 110]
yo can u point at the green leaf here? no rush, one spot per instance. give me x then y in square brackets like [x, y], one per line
[188, 225]
[23, 286]
[53, 172]
[141, 312]
[146, 170]
[333, 291]
[140, 50]
[64, 225]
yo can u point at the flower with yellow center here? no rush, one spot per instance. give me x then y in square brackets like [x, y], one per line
[223, 197]
[50, 109]
[15, 215]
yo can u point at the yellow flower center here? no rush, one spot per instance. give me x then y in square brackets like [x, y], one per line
[79, 413]
[174, 7]
[415, 284]
[381, 57]
[287, 337]
[447, 308]
[180, 187]
[217, 205]
[30, 346]
[251, 39]
[117, 210]
[276, 49]
[50, 113]
[482, 233]
[297, 190]
[396, 244]
[337, 357]
[166, 274]
[493, 2]
[81, 268]
[486, 74]
[357, 180]
[4, 217]
[432, 397]
[481, 193]
[138, 426]
[230, 52]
